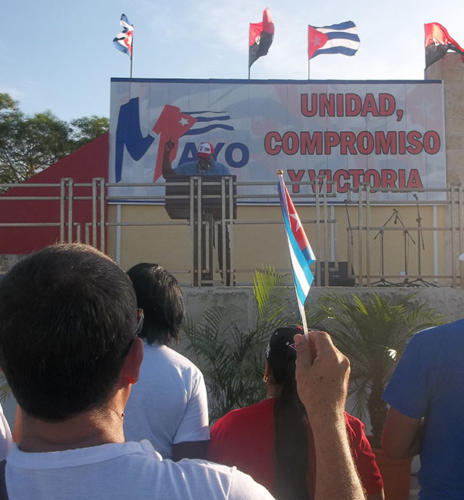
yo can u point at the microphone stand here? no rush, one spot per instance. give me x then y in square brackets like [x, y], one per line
[382, 281]
[420, 247]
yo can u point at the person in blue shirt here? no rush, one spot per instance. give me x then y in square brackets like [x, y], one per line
[204, 165]
[426, 413]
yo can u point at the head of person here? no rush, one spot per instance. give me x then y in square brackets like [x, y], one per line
[68, 319]
[281, 357]
[160, 297]
[291, 426]
[205, 155]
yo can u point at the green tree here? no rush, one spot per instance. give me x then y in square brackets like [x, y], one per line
[87, 128]
[29, 144]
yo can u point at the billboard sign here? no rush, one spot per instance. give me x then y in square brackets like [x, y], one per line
[388, 134]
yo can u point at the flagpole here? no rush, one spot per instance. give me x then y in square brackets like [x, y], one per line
[309, 59]
[132, 51]
[303, 317]
[249, 30]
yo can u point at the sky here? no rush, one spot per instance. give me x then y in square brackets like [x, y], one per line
[58, 55]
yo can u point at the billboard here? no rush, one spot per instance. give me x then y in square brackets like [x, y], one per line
[388, 134]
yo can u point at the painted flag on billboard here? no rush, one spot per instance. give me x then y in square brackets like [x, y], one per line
[301, 253]
[171, 125]
[260, 39]
[335, 39]
[123, 41]
[206, 121]
[438, 42]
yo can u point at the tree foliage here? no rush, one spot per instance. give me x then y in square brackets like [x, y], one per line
[373, 331]
[29, 144]
[231, 357]
[87, 128]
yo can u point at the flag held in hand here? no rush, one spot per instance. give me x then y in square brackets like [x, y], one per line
[301, 253]
[438, 42]
[339, 38]
[261, 36]
[123, 41]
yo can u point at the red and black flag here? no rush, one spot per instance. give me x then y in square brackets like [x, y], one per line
[261, 36]
[438, 42]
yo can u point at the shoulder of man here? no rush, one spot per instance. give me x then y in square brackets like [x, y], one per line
[215, 478]
[186, 167]
[220, 167]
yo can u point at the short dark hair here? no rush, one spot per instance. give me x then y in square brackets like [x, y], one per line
[160, 297]
[68, 315]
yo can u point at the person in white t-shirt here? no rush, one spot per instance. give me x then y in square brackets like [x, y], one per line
[168, 405]
[70, 352]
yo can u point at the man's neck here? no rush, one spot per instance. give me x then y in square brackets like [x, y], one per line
[92, 428]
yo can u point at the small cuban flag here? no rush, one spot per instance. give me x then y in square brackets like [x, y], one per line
[123, 41]
[301, 253]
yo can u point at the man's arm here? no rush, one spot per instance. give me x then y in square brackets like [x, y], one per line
[322, 387]
[167, 167]
[401, 435]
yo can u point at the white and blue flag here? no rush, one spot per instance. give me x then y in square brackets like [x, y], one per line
[123, 41]
[339, 38]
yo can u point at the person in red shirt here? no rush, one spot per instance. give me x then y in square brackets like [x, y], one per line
[272, 440]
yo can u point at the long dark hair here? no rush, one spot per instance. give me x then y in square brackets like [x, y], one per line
[291, 426]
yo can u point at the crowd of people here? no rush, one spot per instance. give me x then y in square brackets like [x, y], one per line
[107, 409]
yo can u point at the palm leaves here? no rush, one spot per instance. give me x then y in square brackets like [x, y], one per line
[232, 358]
[270, 306]
[373, 332]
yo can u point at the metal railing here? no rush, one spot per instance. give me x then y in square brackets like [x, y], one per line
[388, 242]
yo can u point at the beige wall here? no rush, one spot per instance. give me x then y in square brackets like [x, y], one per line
[147, 234]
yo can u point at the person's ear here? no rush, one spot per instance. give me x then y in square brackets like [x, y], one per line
[267, 371]
[131, 368]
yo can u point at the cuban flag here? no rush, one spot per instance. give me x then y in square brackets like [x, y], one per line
[301, 253]
[123, 41]
[335, 39]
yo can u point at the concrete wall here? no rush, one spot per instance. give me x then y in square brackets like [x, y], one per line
[240, 305]
[450, 69]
